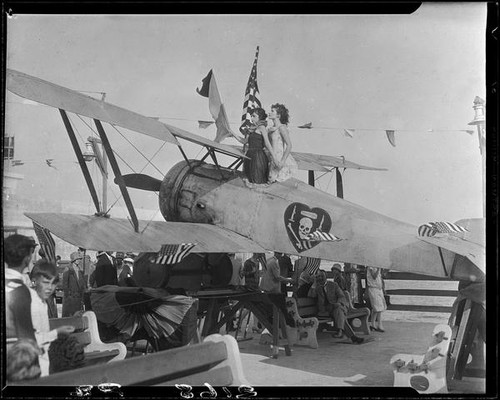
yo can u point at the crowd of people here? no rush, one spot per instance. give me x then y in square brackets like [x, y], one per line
[268, 148]
[277, 274]
[30, 302]
[30, 294]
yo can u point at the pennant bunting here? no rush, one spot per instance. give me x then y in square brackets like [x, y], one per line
[469, 131]
[318, 236]
[312, 265]
[46, 241]
[349, 132]
[209, 89]
[252, 97]
[391, 137]
[173, 253]
[204, 124]
[306, 126]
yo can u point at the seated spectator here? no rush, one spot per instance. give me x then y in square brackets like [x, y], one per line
[338, 278]
[22, 361]
[45, 278]
[305, 282]
[332, 300]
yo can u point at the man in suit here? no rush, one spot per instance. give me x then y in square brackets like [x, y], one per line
[332, 300]
[74, 286]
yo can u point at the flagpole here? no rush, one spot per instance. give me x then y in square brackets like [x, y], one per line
[479, 121]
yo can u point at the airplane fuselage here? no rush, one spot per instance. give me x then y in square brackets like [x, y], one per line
[279, 216]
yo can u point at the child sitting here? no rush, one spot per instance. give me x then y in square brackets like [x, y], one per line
[44, 278]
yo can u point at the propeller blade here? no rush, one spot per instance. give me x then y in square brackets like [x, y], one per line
[141, 181]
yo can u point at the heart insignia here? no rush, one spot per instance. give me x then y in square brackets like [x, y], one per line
[301, 220]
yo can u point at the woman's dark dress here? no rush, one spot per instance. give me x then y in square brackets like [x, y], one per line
[256, 167]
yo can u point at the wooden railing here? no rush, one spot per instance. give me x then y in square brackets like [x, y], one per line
[406, 276]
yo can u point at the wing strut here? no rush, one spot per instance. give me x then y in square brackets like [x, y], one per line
[81, 161]
[442, 260]
[340, 185]
[118, 176]
[310, 177]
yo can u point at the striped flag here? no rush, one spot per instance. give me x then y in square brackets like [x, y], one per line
[448, 227]
[430, 229]
[173, 253]
[318, 236]
[251, 97]
[46, 241]
[312, 265]
[426, 230]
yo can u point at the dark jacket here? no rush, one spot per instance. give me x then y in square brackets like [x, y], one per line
[105, 272]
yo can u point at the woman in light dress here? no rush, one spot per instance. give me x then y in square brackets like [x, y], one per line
[374, 285]
[281, 163]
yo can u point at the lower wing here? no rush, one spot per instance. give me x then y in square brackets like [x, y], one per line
[113, 234]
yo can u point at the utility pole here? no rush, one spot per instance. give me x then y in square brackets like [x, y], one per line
[479, 121]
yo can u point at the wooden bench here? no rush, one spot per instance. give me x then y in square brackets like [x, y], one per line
[426, 373]
[87, 333]
[357, 318]
[215, 361]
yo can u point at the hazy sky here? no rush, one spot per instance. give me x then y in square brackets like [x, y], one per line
[409, 73]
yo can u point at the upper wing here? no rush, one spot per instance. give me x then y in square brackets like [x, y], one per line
[112, 234]
[53, 95]
[318, 162]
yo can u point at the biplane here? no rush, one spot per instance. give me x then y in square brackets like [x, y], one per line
[211, 206]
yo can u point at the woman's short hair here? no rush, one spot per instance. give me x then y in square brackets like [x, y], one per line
[44, 268]
[16, 247]
[261, 113]
[283, 112]
[22, 361]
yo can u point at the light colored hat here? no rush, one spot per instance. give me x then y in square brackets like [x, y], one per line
[336, 266]
[128, 260]
[75, 256]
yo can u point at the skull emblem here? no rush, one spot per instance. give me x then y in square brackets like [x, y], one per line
[305, 227]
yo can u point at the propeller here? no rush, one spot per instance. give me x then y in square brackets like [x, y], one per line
[141, 181]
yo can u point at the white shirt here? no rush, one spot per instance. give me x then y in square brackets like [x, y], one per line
[44, 336]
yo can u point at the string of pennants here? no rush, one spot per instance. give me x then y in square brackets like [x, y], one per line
[432, 228]
[349, 132]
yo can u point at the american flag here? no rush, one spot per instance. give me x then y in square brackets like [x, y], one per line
[318, 236]
[173, 253]
[251, 97]
[448, 227]
[426, 230]
[47, 243]
[432, 228]
[312, 265]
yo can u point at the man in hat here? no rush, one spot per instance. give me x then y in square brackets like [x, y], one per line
[338, 278]
[105, 271]
[18, 251]
[74, 286]
[332, 300]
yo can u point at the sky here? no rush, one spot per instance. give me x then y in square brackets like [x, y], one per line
[370, 73]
